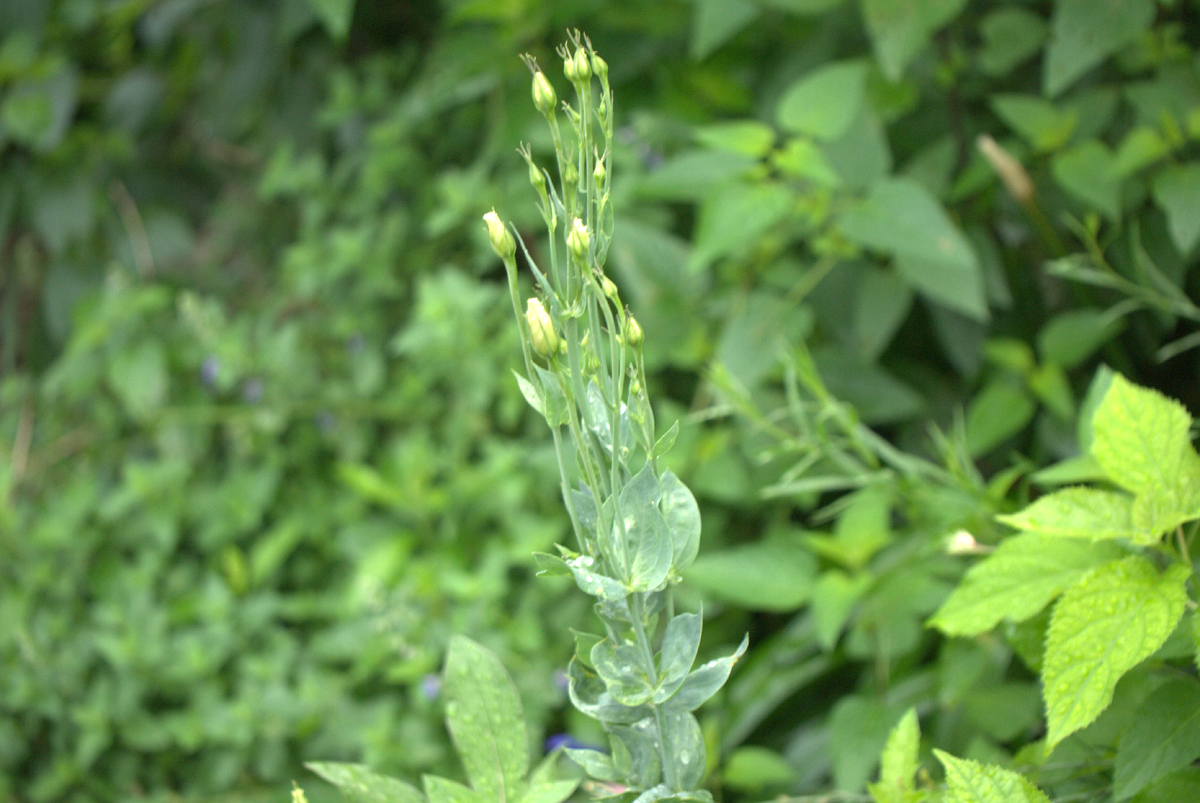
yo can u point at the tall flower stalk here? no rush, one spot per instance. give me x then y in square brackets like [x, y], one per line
[636, 525]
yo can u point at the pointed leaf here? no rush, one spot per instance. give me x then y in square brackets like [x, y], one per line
[360, 785]
[589, 694]
[442, 790]
[1085, 32]
[1164, 737]
[898, 762]
[683, 520]
[705, 681]
[972, 782]
[485, 719]
[900, 29]
[685, 746]
[596, 764]
[824, 102]
[1017, 580]
[619, 667]
[1117, 615]
[647, 538]
[1175, 193]
[680, 644]
[1080, 513]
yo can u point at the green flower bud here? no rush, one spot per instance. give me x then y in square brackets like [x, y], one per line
[583, 66]
[500, 237]
[633, 332]
[600, 173]
[537, 179]
[543, 94]
[578, 240]
[609, 288]
[541, 329]
[599, 67]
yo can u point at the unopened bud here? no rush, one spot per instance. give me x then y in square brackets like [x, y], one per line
[500, 237]
[633, 332]
[543, 94]
[599, 67]
[578, 240]
[583, 66]
[609, 288]
[537, 179]
[600, 173]
[1012, 173]
[541, 328]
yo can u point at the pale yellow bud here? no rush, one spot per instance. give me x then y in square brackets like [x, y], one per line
[599, 67]
[543, 94]
[1012, 173]
[541, 328]
[583, 66]
[500, 237]
[578, 239]
[609, 288]
[633, 332]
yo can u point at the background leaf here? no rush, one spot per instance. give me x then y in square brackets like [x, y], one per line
[1165, 737]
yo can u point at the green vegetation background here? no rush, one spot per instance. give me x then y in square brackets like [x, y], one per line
[264, 453]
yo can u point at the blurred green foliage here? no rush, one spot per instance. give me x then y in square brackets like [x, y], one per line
[265, 453]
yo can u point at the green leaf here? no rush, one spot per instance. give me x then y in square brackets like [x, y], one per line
[1085, 32]
[997, 412]
[1071, 337]
[690, 176]
[442, 790]
[1080, 513]
[681, 641]
[751, 768]
[360, 785]
[766, 576]
[716, 21]
[685, 746]
[140, 379]
[648, 540]
[1117, 615]
[859, 728]
[705, 681]
[596, 764]
[735, 217]
[1044, 126]
[747, 137]
[589, 694]
[824, 102]
[882, 303]
[834, 596]
[863, 155]
[800, 157]
[620, 668]
[1010, 36]
[900, 29]
[682, 515]
[1175, 193]
[549, 791]
[972, 782]
[1088, 171]
[594, 583]
[1017, 580]
[1140, 439]
[901, 218]
[1164, 737]
[898, 763]
[483, 713]
[335, 15]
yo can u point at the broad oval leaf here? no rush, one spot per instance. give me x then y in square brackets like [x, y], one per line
[703, 682]
[683, 520]
[1112, 619]
[618, 666]
[971, 782]
[680, 644]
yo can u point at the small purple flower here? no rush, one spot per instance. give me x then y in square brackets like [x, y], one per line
[252, 390]
[566, 740]
[210, 369]
[561, 681]
[431, 686]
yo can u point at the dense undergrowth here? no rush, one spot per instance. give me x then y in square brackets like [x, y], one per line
[265, 454]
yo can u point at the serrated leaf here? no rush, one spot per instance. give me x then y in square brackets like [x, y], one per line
[1080, 513]
[1117, 615]
[682, 515]
[485, 719]
[1164, 737]
[704, 681]
[1140, 439]
[681, 641]
[360, 785]
[898, 762]
[1084, 33]
[1016, 581]
[823, 103]
[972, 782]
